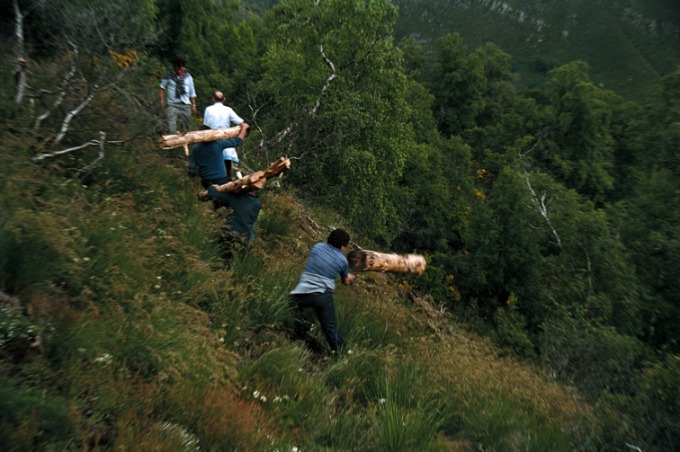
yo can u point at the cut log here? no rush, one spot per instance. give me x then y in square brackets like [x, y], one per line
[373, 261]
[254, 181]
[197, 136]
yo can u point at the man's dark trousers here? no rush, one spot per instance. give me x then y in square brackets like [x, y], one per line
[323, 305]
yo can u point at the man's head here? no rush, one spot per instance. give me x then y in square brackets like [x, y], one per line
[179, 65]
[338, 238]
[218, 96]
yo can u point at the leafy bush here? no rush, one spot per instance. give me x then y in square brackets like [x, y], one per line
[594, 359]
[659, 399]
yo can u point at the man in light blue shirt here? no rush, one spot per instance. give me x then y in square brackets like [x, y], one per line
[317, 283]
[181, 96]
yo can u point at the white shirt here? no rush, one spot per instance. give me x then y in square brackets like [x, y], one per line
[219, 116]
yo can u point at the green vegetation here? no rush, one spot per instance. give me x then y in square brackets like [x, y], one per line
[629, 45]
[546, 319]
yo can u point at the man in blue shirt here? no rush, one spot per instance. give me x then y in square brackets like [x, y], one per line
[317, 282]
[207, 162]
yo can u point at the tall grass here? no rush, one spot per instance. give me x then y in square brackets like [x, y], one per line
[403, 421]
[30, 417]
[149, 341]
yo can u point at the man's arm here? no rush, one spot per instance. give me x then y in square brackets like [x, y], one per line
[220, 198]
[235, 142]
[349, 280]
[162, 92]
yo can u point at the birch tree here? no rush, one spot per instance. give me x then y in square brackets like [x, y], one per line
[82, 53]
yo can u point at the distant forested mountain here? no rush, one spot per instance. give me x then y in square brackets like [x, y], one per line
[628, 44]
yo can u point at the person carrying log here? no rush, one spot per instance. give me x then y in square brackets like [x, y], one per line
[316, 285]
[239, 229]
[206, 159]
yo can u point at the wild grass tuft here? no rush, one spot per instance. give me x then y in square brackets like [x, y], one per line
[218, 418]
[401, 420]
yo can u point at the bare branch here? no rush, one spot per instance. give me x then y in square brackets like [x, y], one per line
[84, 103]
[21, 53]
[60, 97]
[65, 124]
[542, 209]
[309, 113]
[40, 157]
[100, 143]
[253, 113]
[100, 156]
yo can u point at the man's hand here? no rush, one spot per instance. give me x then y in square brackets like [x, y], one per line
[243, 132]
[349, 280]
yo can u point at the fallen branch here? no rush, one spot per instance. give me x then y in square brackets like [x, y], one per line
[367, 261]
[100, 143]
[60, 97]
[100, 156]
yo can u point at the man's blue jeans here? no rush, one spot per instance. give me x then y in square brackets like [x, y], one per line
[324, 307]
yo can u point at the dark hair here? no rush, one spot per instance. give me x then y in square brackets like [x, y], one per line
[338, 238]
[179, 62]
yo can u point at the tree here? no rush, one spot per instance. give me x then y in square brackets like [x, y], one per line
[458, 85]
[85, 51]
[333, 81]
[578, 148]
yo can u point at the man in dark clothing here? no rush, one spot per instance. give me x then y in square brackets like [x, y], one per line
[317, 283]
[207, 162]
[245, 209]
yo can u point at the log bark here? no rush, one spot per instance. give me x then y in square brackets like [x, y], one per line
[197, 136]
[254, 181]
[373, 261]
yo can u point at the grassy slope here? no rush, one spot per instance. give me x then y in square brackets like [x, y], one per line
[623, 56]
[147, 342]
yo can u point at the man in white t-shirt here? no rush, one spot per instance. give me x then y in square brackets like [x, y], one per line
[220, 116]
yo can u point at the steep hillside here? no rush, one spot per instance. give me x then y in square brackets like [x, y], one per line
[628, 45]
[124, 329]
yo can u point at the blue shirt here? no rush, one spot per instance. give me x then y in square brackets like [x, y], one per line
[206, 159]
[324, 264]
